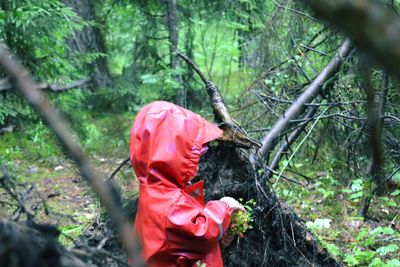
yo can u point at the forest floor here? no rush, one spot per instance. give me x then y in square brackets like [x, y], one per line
[60, 196]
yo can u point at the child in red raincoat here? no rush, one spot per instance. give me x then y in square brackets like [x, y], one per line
[174, 224]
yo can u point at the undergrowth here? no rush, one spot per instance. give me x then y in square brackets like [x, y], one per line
[329, 204]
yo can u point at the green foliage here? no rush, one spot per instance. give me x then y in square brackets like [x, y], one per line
[36, 32]
[33, 143]
[241, 220]
[12, 106]
[200, 264]
[235, 43]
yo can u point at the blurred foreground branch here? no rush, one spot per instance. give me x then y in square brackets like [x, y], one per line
[40, 103]
[371, 26]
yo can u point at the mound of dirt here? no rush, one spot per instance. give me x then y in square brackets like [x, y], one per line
[278, 237]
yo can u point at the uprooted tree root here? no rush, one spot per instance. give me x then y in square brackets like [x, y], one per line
[278, 237]
[29, 244]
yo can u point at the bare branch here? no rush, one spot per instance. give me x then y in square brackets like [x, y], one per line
[293, 136]
[118, 168]
[232, 131]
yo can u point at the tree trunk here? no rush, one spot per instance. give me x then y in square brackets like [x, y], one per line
[375, 112]
[173, 37]
[189, 44]
[90, 40]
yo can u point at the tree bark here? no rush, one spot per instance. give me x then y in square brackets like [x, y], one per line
[90, 40]
[375, 112]
[173, 37]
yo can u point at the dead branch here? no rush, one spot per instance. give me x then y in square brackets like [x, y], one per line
[295, 11]
[6, 85]
[118, 168]
[40, 103]
[8, 184]
[292, 137]
[269, 141]
[387, 179]
[232, 131]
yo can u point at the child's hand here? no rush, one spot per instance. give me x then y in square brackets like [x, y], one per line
[233, 203]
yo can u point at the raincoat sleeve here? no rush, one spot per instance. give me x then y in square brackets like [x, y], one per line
[193, 231]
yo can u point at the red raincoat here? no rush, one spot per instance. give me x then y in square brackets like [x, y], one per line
[175, 226]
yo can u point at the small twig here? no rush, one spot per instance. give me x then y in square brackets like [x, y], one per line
[298, 12]
[20, 200]
[313, 49]
[117, 170]
[283, 176]
[388, 178]
[299, 174]
[298, 147]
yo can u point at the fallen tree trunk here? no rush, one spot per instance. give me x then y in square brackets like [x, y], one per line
[270, 140]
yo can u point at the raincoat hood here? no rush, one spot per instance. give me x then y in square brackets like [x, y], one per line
[166, 142]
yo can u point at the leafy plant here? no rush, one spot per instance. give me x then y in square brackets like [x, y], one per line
[200, 264]
[241, 221]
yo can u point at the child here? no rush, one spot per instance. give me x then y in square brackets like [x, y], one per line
[174, 224]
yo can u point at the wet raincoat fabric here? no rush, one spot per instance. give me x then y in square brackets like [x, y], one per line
[175, 226]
